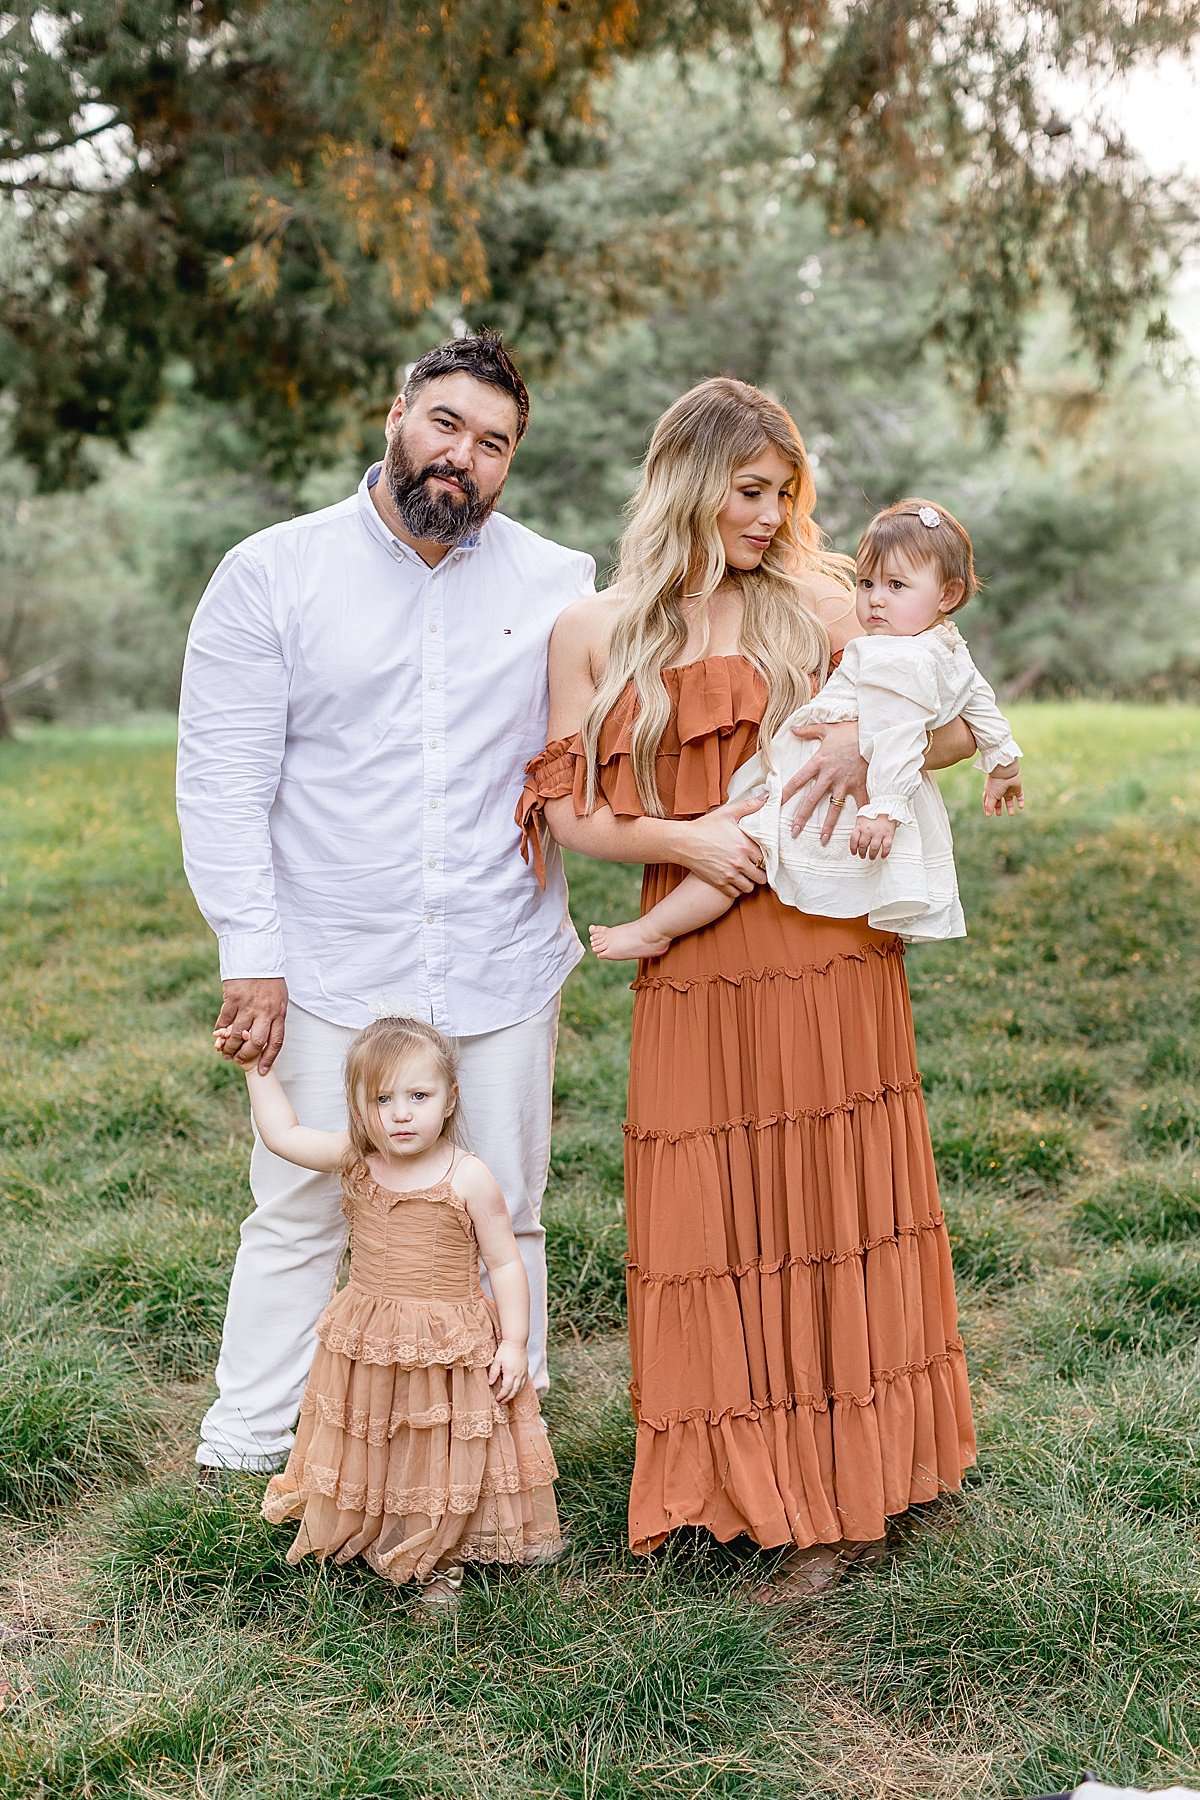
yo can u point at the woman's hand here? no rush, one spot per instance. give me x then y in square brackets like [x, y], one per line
[717, 849]
[837, 771]
[509, 1369]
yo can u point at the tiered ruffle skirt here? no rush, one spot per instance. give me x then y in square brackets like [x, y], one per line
[798, 1373]
[402, 1455]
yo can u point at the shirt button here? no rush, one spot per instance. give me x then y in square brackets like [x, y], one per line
[433, 806]
[432, 863]
[434, 685]
[432, 626]
[433, 743]
[430, 918]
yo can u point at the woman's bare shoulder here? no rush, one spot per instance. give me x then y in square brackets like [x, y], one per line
[834, 606]
[585, 627]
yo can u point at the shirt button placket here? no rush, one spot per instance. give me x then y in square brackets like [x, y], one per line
[433, 762]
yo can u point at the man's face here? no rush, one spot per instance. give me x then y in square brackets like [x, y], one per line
[448, 455]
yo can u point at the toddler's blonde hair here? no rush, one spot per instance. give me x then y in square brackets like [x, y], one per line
[372, 1060]
[899, 529]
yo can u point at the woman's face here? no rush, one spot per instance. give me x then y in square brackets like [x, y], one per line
[755, 507]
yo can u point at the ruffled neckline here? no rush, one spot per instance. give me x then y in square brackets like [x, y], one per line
[698, 662]
[363, 1181]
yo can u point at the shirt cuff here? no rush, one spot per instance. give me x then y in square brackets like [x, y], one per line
[992, 755]
[888, 806]
[251, 955]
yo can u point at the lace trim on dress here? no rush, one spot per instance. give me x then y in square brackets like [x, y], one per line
[893, 947]
[756, 1265]
[748, 1122]
[426, 1502]
[467, 1347]
[525, 1546]
[819, 1403]
[359, 1422]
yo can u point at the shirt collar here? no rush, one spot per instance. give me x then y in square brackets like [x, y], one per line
[375, 523]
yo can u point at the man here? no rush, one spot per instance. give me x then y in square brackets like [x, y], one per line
[363, 686]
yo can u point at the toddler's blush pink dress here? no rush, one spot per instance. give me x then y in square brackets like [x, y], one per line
[402, 1454]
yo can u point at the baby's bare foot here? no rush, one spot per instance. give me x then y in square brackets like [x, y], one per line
[626, 943]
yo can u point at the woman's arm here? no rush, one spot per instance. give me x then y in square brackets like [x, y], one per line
[715, 847]
[950, 744]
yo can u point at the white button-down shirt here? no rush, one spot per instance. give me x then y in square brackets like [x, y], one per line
[353, 730]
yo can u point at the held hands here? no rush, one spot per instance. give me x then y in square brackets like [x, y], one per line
[509, 1369]
[835, 772]
[872, 837]
[1003, 791]
[249, 1028]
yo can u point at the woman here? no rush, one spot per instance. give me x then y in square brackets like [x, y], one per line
[797, 1372]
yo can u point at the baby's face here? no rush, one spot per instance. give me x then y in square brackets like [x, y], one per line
[902, 599]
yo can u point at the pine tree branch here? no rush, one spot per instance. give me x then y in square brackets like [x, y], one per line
[17, 152]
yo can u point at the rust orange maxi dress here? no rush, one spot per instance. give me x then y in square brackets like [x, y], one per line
[797, 1370]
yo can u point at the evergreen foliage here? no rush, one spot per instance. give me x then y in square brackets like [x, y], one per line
[284, 192]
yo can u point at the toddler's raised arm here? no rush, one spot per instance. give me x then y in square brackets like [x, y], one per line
[282, 1132]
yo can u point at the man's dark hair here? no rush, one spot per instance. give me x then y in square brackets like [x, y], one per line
[482, 355]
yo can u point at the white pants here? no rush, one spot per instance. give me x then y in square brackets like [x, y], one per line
[292, 1243]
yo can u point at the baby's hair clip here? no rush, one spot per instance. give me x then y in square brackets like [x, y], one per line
[929, 516]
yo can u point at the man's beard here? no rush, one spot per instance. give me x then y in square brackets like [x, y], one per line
[432, 514]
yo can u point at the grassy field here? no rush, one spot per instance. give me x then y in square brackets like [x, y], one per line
[154, 1643]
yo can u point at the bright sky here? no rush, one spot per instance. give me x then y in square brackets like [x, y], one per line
[1158, 110]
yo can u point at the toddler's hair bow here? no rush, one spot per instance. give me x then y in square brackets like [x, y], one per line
[929, 516]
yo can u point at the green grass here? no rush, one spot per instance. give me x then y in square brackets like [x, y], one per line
[1044, 1623]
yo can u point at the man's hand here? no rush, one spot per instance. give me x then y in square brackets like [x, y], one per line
[872, 838]
[250, 1022]
[837, 771]
[1002, 790]
[717, 849]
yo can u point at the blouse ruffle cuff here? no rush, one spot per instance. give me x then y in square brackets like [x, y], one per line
[553, 773]
[888, 806]
[992, 755]
[820, 711]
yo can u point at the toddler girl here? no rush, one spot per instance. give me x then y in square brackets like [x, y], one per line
[420, 1445]
[893, 860]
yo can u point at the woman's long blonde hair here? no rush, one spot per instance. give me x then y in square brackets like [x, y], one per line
[713, 429]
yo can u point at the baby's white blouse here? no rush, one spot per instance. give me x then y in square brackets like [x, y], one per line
[898, 689]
